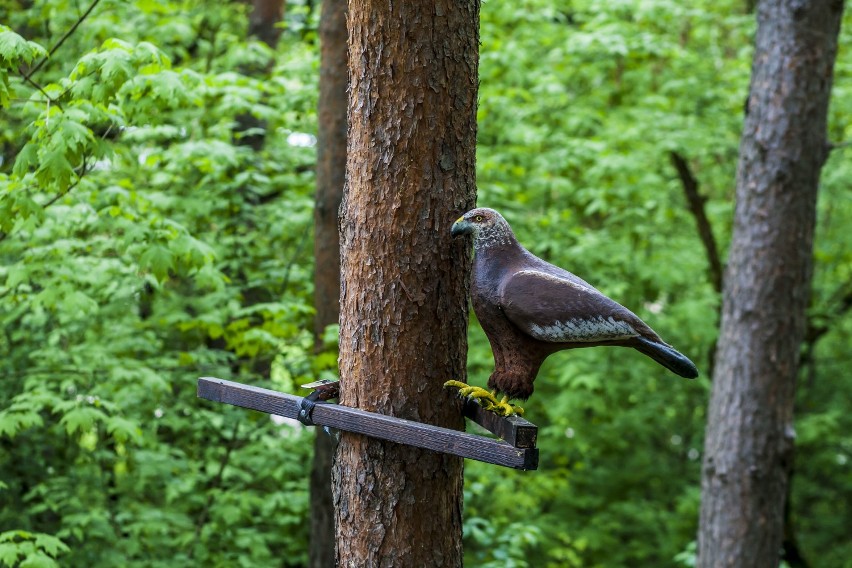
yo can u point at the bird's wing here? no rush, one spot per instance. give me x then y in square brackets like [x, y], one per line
[560, 309]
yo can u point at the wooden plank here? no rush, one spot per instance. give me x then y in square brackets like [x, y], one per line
[514, 430]
[372, 424]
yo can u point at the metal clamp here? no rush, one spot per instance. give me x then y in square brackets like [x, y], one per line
[307, 408]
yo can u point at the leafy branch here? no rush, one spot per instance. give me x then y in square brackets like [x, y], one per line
[83, 170]
[26, 76]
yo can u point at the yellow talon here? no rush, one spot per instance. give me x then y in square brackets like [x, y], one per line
[486, 399]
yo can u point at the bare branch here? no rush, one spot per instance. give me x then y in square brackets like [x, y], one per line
[59, 43]
[696, 207]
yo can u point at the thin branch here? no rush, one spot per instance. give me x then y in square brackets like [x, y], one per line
[839, 145]
[43, 92]
[83, 171]
[61, 194]
[696, 207]
[59, 43]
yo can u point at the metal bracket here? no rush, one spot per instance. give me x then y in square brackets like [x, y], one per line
[306, 408]
[324, 389]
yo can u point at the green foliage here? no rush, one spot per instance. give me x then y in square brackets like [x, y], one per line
[142, 245]
[580, 105]
[30, 550]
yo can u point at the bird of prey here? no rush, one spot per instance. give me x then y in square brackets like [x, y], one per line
[530, 309]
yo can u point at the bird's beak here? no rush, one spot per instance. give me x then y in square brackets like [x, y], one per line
[461, 227]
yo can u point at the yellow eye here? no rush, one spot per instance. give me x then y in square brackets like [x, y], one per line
[478, 218]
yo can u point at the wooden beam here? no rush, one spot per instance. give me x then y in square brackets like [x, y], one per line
[371, 424]
[514, 430]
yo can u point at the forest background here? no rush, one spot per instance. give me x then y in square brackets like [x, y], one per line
[143, 243]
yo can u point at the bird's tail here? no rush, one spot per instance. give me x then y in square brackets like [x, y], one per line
[667, 357]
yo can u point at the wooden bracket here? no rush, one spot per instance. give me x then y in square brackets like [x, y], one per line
[514, 430]
[520, 453]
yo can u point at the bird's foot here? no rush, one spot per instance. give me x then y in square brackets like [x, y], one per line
[486, 399]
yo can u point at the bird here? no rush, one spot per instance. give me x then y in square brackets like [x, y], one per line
[530, 309]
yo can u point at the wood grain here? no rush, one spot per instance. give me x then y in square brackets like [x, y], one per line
[375, 425]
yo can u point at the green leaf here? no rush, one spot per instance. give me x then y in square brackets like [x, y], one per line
[26, 159]
[9, 554]
[81, 419]
[50, 544]
[159, 260]
[38, 560]
[15, 50]
[123, 429]
[11, 423]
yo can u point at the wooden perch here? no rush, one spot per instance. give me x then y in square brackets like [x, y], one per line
[398, 430]
[513, 430]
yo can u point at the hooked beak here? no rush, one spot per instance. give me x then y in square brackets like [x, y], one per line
[461, 227]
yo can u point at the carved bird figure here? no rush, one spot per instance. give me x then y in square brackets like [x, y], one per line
[530, 309]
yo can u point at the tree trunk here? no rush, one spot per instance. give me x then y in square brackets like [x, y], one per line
[749, 440]
[263, 24]
[410, 174]
[263, 20]
[331, 174]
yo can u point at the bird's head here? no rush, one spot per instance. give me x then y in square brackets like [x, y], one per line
[486, 225]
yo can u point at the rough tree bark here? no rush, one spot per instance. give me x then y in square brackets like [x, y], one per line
[331, 174]
[410, 173]
[749, 440]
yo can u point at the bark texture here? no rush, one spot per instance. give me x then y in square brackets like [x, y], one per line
[410, 174]
[749, 440]
[331, 174]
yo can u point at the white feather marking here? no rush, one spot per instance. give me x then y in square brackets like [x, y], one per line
[487, 237]
[553, 278]
[596, 328]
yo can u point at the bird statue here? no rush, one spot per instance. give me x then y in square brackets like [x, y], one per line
[530, 309]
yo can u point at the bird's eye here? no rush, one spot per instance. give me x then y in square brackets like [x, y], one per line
[479, 218]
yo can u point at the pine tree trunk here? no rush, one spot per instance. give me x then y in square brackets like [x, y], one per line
[331, 174]
[749, 440]
[410, 174]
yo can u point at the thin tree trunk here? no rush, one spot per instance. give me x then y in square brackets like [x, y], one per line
[331, 174]
[263, 24]
[410, 173]
[263, 20]
[749, 441]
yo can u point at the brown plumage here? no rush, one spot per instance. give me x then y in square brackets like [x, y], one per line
[530, 309]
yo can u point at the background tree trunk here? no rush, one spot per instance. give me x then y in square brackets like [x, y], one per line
[263, 20]
[410, 174]
[263, 24]
[749, 440]
[331, 175]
